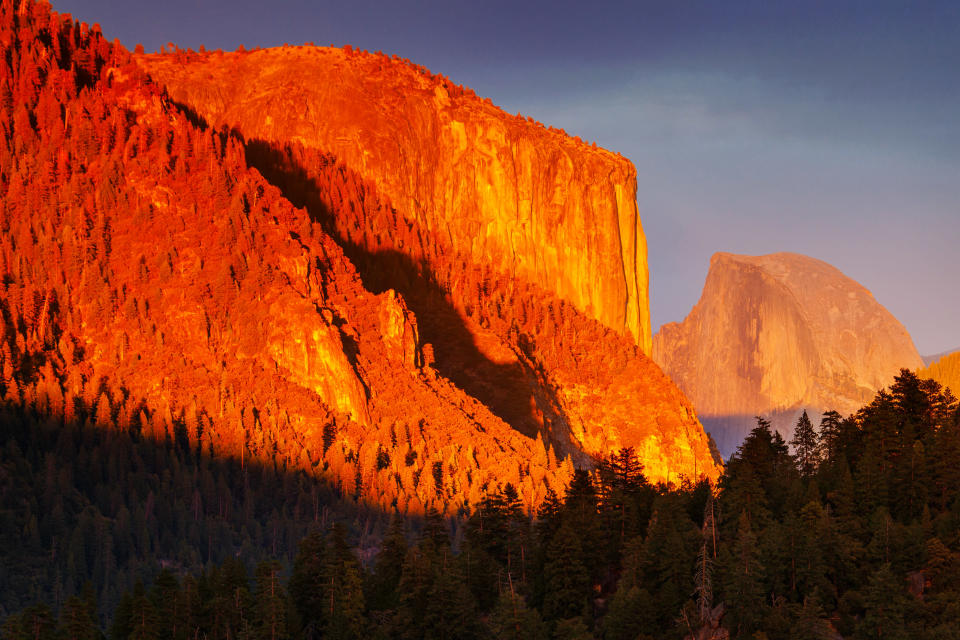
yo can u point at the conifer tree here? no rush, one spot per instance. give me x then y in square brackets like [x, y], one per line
[743, 581]
[77, 621]
[806, 446]
[886, 606]
[571, 629]
[631, 613]
[269, 615]
[388, 567]
[812, 623]
[165, 596]
[566, 578]
[513, 620]
[343, 604]
[36, 622]
[668, 557]
[144, 618]
[451, 611]
[307, 588]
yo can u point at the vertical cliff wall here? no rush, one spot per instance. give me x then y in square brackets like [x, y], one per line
[773, 335]
[529, 202]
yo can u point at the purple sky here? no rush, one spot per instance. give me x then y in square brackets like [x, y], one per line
[827, 128]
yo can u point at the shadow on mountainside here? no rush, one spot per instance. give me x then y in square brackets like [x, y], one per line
[86, 502]
[507, 386]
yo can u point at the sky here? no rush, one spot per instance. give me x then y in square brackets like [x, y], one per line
[825, 127]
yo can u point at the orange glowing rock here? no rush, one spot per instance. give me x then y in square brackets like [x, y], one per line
[507, 240]
[382, 324]
[531, 203]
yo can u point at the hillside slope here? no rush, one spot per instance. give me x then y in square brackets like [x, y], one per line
[945, 370]
[152, 282]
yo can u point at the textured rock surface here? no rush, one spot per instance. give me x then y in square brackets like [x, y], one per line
[773, 335]
[153, 282]
[517, 248]
[530, 202]
[156, 280]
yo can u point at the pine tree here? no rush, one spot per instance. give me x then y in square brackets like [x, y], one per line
[743, 587]
[668, 558]
[33, 623]
[122, 625]
[806, 447]
[269, 615]
[451, 611]
[307, 591]
[886, 606]
[144, 619]
[77, 621]
[388, 567]
[631, 613]
[812, 623]
[513, 620]
[343, 604]
[566, 578]
[165, 596]
[571, 629]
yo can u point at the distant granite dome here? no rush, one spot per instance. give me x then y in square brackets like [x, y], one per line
[773, 335]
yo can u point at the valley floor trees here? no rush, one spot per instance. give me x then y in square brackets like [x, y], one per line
[856, 535]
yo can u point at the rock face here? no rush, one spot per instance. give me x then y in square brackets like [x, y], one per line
[152, 281]
[529, 202]
[517, 249]
[773, 335]
[264, 300]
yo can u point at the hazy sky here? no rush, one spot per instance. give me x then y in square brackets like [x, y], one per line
[826, 127]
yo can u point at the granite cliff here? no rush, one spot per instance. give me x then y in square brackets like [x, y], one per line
[773, 335]
[240, 298]
[531, 202]
[518, 248]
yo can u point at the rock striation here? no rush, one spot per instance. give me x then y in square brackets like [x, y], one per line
[773, 335]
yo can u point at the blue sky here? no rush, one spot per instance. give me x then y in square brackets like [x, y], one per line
[829, 128]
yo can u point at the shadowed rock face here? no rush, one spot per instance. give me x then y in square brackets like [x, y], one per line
[773, 335]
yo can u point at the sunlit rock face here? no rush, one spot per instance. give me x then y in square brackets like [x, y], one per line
[530, 202]
[774, 335]
[266, 301]
[515, 252]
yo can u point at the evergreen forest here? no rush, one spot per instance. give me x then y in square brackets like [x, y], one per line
[851, 529]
